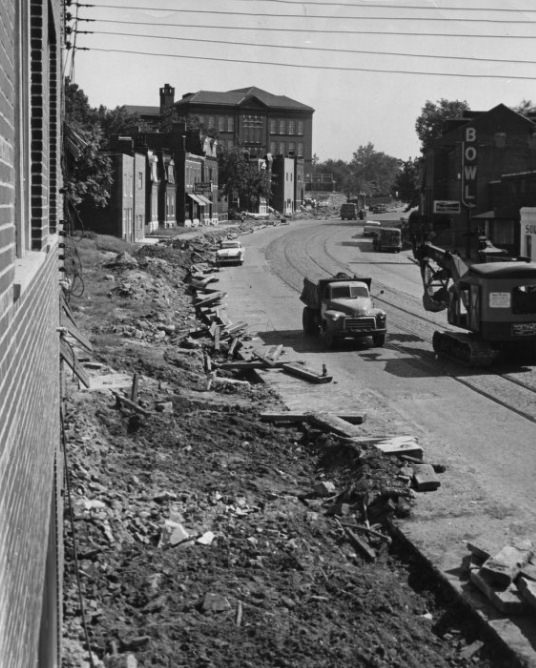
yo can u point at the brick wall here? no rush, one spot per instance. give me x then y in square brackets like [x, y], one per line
[30, 461]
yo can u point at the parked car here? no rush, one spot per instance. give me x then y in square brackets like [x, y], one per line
[349, 211]
[388, 239]
[378, 208]
[371, 228]
[230, 251]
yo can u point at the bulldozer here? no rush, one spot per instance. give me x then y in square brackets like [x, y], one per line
[494, 302]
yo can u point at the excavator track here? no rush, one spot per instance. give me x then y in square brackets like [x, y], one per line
[464, 348]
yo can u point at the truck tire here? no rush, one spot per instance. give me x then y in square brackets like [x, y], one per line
[378, 340]
[310, 327]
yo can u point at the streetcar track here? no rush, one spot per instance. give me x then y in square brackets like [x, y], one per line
[477, 385]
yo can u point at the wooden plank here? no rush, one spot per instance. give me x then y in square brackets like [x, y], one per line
[68, 355]
[68, 322]
[213, 299]
[115, 381]
[217, 339]
[131, 404]
[362, 546]
[291, 417]
[303, 372]
[331, 422]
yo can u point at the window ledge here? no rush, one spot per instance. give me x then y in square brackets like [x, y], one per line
[27, 267]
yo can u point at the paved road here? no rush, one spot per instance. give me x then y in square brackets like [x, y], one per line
[481, 426]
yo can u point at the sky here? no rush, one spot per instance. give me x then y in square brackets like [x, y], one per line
[367, 68]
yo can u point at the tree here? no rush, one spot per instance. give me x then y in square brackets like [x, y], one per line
[373, 172]
[430, 122]
[525, 107]
[88, 171]
[407, 181]
[243, 179]
[88, 133]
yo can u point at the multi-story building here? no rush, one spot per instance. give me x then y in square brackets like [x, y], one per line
[254, 120]
[31, 473]
[469, 174]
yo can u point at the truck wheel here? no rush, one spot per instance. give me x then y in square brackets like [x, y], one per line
[378, 340]
[309, 322]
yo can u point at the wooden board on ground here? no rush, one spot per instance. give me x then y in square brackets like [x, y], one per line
[301, 371]
[68, 355]
[110, 381]
[286, 417]
[331, 422]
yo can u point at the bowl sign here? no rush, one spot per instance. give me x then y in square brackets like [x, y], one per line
[469, 167]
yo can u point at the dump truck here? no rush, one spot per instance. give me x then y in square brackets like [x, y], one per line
[341, 307]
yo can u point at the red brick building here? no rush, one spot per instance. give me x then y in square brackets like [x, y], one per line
[30, 210]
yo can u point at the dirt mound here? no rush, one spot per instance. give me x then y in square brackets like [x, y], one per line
[198, 535]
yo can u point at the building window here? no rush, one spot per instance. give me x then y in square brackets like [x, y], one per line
[273, 147]
[291, 148]
[221, 123]
[211, 122]
[300, 127]
[201, 119]
[171, 176]
[292, 127]
[230, 124]
[140, 180]
[282, 148]
[282, 126]
[273, 126]
[300, 150]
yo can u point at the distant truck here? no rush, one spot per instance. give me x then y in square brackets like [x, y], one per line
[388, 239]
[341, 307]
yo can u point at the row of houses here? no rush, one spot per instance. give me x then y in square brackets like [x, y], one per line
[165, 175]
[479, 181]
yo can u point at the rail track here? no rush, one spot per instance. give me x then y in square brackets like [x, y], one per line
[507, 389]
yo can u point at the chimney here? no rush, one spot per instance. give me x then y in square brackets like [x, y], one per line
[167, 98]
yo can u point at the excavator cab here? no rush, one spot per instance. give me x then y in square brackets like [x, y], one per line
[494, 302]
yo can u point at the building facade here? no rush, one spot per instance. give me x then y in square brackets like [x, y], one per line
[31, 206]
[469, 175]
[254, 120]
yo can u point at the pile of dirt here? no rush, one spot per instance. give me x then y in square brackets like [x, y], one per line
[198, 535]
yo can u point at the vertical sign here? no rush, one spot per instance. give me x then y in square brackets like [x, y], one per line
[469, 168]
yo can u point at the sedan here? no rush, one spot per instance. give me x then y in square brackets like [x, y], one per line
[230, 251]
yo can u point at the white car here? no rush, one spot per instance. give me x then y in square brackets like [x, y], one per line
[371, 227]
[230, 251]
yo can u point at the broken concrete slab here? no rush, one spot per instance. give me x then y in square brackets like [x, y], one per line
[505, 565]
[425, 478]
[509, 601]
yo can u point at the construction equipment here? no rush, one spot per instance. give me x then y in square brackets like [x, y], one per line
[495, 302]
[341, 307]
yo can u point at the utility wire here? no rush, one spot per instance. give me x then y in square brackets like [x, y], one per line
[359, 5]
[317, 67]
[318, 48]
[306, 30]
[311, 16]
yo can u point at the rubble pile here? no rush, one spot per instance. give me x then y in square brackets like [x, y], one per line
[205, 525]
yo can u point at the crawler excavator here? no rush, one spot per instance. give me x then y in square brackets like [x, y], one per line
[494, 302]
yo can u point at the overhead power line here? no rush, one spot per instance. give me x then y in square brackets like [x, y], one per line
[376, 5]
[318, 48]
[311, 16]
[318, 67]
[327, 31]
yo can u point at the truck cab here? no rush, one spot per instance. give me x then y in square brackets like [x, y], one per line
[341, 307]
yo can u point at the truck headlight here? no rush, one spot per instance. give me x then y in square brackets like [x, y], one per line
[380, 319]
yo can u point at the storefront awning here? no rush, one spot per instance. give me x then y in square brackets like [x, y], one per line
[196, 199]
[204, 199]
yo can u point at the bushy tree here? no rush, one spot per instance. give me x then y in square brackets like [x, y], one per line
[243, 179]
[407, 182]
[87, 170]
[430, 122]
[87, 134]
[373, 172]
